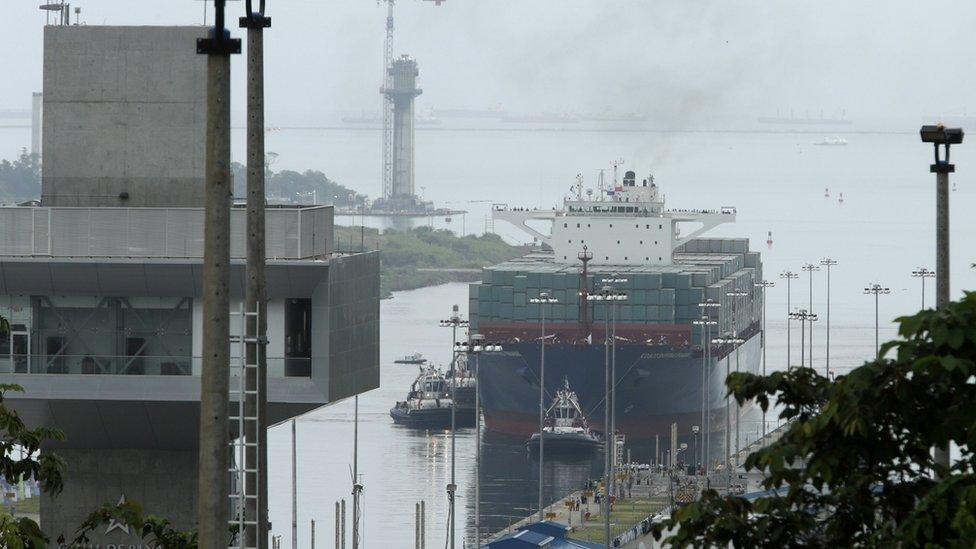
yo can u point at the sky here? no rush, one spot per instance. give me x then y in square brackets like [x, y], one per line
[683, 62]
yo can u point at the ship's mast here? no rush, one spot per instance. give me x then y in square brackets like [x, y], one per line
[585, 256]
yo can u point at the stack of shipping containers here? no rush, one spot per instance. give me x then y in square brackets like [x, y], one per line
[702, 269]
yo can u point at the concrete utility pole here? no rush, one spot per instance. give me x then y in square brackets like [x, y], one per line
[937, 135]
[213, 485]
[255, 294]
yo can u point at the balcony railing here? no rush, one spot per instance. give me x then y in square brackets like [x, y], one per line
[137, 365]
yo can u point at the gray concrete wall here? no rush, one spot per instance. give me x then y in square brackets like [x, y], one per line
[124, 111]
[350, 337]
[163, 482]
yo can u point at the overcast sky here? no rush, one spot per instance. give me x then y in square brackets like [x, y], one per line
[690, 60]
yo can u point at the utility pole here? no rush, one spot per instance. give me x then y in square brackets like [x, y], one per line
[214, 462]
[828, 262]
[735, 295]
[877, 290]
[923, 273]
[728, 405]
[454, 323]
[357, 487]
[789, 276]
[255, 295]
[937, 135]
[543, 300]
[707, 317]
[294, 486]
[769, 284]
[618, 296]
[810, 268]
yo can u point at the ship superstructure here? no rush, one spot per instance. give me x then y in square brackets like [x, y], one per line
[660, 260]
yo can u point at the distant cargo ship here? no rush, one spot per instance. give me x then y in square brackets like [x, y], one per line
[620, 232]
[806, 120]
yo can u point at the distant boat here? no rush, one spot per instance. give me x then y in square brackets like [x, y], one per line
[565, 429]
[832, 141]
[415, 358]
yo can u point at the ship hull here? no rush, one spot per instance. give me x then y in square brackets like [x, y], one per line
[564, 443]
[655, 387]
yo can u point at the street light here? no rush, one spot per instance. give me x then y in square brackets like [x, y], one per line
[765, 284]
[877, 290]
[810, 268]
[612, 282]
[543, 300]
[706, 323]
[940, 135]
[477, 346]
[607, 295]
[706, 314]
[728, 409]
[735, 294]
[789, 276]
[454, 322]
[923, 273]
[828, 262]
[694, 431]
[803, 316]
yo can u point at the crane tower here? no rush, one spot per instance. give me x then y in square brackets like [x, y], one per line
[388, 105]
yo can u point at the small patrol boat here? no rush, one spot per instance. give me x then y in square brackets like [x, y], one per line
[428, 404]
[565, 430]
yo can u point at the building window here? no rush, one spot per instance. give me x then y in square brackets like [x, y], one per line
[298, 337]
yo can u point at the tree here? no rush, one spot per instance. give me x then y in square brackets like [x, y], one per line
[155, 531]
[44, 468]
[20, 179]
[854, 467]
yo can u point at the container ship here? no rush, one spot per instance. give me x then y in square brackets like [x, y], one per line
[621, 235]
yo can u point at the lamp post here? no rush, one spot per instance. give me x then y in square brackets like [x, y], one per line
[828, 262]
[940, 135]
[804, 316]
[810, 268]
[789, 276]
[706, 323]
[728, 408]
[475, 347]
[694, 432]
[612, 282]
[706, 306]
[767, 284]
[454, 322]
[607, 295]
[923, 273]
[877, 290]
[735, 295]
[543, 300]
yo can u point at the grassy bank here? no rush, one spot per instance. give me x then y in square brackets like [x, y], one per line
[426, 257]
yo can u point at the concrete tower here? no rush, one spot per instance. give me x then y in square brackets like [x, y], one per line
[404, 88]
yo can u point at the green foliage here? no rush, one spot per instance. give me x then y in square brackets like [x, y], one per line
[20, 180]
[155, 531]
[289, 185]
[45, 468]
[855, 465]
[403, 252]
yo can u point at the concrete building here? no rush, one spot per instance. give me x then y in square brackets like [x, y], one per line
[104, 302]
[141, 91]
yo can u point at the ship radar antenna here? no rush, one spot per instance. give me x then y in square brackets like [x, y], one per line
[579, 186]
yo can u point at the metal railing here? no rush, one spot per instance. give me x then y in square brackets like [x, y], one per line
[135, 365]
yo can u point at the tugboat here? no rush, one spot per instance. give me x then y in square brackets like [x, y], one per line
[428, 403]
[565, 429]
[415, 358]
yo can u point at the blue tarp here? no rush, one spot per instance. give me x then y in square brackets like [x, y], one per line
[547, 534]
